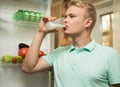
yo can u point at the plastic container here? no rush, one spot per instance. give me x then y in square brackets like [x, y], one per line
[58, 23]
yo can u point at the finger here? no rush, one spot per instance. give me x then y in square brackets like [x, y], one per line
[51, 31]
[51, 18]
[45, 19]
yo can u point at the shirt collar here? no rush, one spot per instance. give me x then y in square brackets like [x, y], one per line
[88, 47]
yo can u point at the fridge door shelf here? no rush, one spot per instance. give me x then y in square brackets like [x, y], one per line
[11, 65]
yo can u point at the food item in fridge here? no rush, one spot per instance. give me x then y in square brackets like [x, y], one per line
[19, 59]
[23, 45]
[32, 16]
[14, 60]
[38, 16]
[19, 15]
[7, 58]
[25, 15]
[22, 52]
[41, 53]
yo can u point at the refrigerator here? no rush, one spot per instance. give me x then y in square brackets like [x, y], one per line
[14, 32]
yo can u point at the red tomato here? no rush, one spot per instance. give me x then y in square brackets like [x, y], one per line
[14, 60]
[22, 52]
[41, 53]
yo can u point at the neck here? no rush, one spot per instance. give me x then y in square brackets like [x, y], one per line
[82, 40]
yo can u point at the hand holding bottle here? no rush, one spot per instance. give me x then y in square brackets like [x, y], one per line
[50, 24]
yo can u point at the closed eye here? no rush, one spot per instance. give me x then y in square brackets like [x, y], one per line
[70, 16]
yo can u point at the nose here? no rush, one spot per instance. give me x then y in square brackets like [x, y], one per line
[65, 20]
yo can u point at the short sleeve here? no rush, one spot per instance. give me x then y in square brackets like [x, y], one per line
[49, 59]
[114, 69]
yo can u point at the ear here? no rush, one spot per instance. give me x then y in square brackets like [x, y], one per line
[88, 22]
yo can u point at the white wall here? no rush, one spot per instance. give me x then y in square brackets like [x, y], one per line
[97, 33]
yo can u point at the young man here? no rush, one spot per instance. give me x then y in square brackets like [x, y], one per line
[83, 64]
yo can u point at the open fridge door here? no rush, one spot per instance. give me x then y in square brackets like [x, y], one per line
[14, 32]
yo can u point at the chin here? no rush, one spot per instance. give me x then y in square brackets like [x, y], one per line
[67, 34]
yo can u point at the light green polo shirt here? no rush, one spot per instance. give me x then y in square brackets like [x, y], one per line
[92, 66]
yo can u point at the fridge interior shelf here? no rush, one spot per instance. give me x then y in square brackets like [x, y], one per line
[37, 9]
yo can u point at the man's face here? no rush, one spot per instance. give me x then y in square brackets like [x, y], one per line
[74, 21]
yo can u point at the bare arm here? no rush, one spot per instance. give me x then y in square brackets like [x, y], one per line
[31, 62]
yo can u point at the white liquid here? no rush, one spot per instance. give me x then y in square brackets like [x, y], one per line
[52, 26]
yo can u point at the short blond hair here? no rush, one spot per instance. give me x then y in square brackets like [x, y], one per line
[90, 9]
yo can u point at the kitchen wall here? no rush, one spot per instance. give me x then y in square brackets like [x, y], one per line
[97, 32]
[105, 8]
[102, 7]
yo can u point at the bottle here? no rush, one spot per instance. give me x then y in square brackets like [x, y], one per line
[26, 15]
[37, 16]
[32, 16]
[58, 23]
[19, 15]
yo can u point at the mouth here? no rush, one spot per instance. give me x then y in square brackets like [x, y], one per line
[64, 28]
